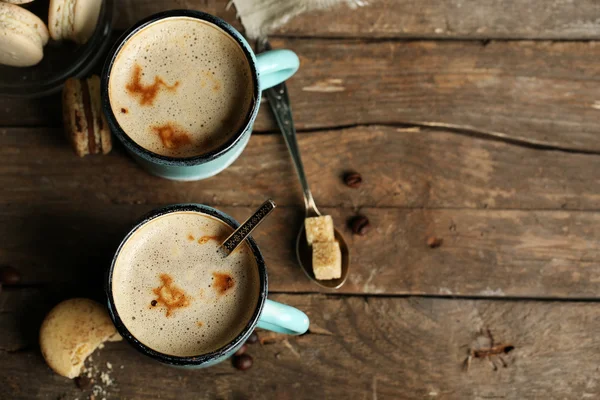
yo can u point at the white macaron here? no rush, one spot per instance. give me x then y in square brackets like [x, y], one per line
[74, 20]
[22, 36]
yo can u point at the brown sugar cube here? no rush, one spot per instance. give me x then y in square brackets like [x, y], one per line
[319, 229]
[327, 260]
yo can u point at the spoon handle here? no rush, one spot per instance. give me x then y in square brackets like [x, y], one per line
[244, 230]
[280, 104]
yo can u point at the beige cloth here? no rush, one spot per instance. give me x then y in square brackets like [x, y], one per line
[260, 17]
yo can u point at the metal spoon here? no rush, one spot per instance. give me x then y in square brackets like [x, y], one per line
[280, 104]
[244, 230]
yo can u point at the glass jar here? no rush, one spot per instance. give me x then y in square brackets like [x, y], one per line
[61, 60]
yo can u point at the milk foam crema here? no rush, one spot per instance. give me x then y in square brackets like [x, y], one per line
[181, 87]
[175, 293]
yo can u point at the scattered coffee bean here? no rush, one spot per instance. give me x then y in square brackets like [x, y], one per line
[242, 362]
[241, 350]
[253, 338]
[83, 382]
[360, 225]
[9, 275]
[434, 242]
[353, 179]
[153, 303]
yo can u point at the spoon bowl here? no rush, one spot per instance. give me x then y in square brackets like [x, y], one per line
[304, 254]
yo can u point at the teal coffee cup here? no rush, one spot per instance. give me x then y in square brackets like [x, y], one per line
[261, 313]
[265, 70]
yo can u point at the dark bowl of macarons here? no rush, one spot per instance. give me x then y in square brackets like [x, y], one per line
[44, 42]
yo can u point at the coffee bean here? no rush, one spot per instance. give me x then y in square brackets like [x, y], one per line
[153, 303]
[9, 275]
[241, 350]
[83, 382]
[242, 362]
[360, 225]
[353, 179]
[253, 338]
[434, 242]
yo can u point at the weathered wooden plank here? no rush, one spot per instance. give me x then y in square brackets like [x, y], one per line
[401, 167]
[551, 254]
[131, 11]
[369, 348]
[471, 19]
[536, 92]
[44, 111]
[21, 313]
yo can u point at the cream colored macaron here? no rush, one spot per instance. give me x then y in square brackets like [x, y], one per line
[74, 20]
[22, 36]
[72, 331]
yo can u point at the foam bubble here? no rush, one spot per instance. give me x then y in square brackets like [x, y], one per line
[191, 266]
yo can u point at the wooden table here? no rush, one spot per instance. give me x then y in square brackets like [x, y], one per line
[472, 122]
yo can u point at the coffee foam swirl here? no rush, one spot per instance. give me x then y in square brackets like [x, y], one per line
[181, 87]
[175, 293]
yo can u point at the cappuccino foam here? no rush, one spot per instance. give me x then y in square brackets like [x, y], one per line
[175, 293]
[181, 87]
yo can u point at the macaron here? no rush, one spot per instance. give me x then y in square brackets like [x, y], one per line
[84, 123]
[22, 36]
[74, 20]
[72, 331]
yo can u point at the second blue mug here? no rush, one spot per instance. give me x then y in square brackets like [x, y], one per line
[267, 314]
[268, 69]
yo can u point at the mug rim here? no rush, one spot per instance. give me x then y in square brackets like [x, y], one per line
[225, 350]
[146, 154]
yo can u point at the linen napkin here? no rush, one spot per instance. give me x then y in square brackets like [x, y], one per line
[260, 17]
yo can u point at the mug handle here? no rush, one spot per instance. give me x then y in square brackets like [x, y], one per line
[281, 318]
[275, 66]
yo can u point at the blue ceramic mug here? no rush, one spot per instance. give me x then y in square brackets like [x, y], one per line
[268, 314]
[268, 69]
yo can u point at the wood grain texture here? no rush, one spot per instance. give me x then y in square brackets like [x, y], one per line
[368, 348]
[550, 254]
[512, 217]
[401, 167]
[131, 11]
[471, 19]
[534, 92]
